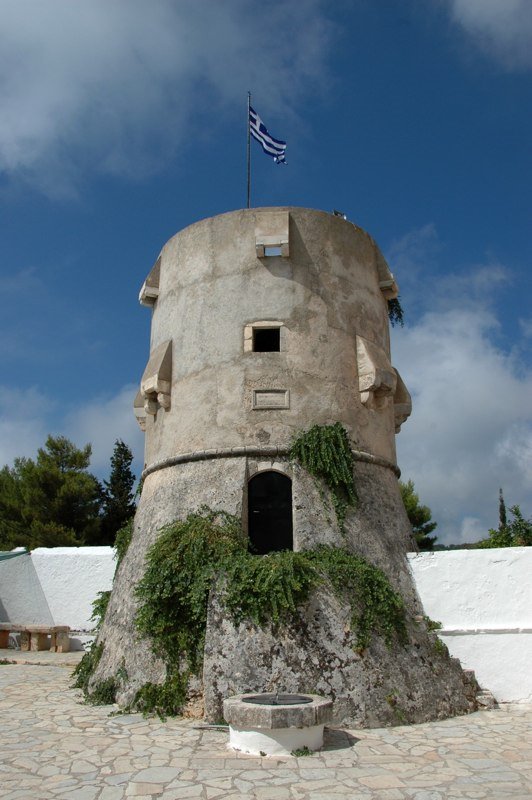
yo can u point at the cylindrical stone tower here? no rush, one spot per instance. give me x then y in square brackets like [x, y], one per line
[265, 323]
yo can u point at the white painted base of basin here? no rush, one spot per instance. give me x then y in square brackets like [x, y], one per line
[275, 741]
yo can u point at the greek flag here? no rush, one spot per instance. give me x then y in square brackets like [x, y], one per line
[272, 147]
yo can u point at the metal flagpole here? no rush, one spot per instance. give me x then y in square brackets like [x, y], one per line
[249, 150]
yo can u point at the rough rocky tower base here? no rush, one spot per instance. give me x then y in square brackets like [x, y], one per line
[216, 413]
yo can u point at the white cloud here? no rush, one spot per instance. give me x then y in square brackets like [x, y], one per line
[472, 530]
[27, 417]
[500, 28]
[101, 422]
[410, 253]
[471, 426]
[115, 86]
[526, 327]
[23, 426]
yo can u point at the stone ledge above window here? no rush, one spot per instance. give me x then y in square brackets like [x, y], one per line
[376, 377]
[387, 283]
[150, 288]
[156, 382]
[272, 233]
[402, 403]
[140, 411]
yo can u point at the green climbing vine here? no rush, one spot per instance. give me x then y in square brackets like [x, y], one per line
[208, 547]
[123, 540]
[395, 312]
[325, 452]
[86, 667]
[99, 607]
[375, 606]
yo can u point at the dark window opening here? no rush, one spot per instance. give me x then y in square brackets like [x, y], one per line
[266, 340]
[270, 513]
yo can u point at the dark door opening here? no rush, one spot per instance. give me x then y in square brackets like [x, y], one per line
[270, 513]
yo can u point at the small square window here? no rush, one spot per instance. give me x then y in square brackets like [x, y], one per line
[266, 340]
[272, 250]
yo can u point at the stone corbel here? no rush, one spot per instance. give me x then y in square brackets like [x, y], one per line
[387, 283]
[150, 288]
[140, 412]
[376, 377]
[156, 383]
[402, 403]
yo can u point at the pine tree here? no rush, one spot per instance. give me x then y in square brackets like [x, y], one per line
[420, 516]
[502, 512]
[118, 497]
[52, 501]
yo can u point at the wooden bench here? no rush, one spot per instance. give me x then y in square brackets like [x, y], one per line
[35, 637]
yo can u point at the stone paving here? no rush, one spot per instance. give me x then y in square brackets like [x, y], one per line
[53, 746]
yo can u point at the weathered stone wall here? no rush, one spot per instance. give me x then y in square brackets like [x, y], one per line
[211, 285]
[206, 404]
[316, 655]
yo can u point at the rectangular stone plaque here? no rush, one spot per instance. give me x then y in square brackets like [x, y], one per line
[271, 398]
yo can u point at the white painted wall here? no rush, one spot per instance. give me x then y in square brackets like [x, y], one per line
[71, 578]
[21, 595]
[483, 598]
[55, 585]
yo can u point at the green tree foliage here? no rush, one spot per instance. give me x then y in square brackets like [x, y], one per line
[420, 516]
[503, 521]
[118, 496]
[52, 501]
[516, 533]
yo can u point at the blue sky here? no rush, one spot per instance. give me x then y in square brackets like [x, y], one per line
[123, 122]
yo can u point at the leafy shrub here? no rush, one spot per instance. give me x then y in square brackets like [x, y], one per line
[103, 693]
[86, 667]
[270, 587]
[375, 605]
[191, 555]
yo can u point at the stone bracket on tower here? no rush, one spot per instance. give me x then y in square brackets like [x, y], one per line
[150, 288]
[387, 283]
[271, 233]
[377, 378]
[156, 382]
[140, 411]
[402, 403]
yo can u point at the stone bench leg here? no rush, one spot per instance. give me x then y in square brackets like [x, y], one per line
[4, 640]
[60, 642]
[24, 640]
[38, 641]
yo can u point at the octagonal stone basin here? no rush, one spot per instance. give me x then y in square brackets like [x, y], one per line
[271, 728]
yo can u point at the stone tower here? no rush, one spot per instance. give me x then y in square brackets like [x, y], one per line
[266, 322]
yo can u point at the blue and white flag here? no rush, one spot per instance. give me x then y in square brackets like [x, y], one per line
[272, 147]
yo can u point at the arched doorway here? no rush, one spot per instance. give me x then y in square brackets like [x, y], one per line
[269, 513]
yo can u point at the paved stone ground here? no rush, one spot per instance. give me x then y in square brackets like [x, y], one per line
[53, 746]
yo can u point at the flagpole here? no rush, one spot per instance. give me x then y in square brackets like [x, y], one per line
[249, 150]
